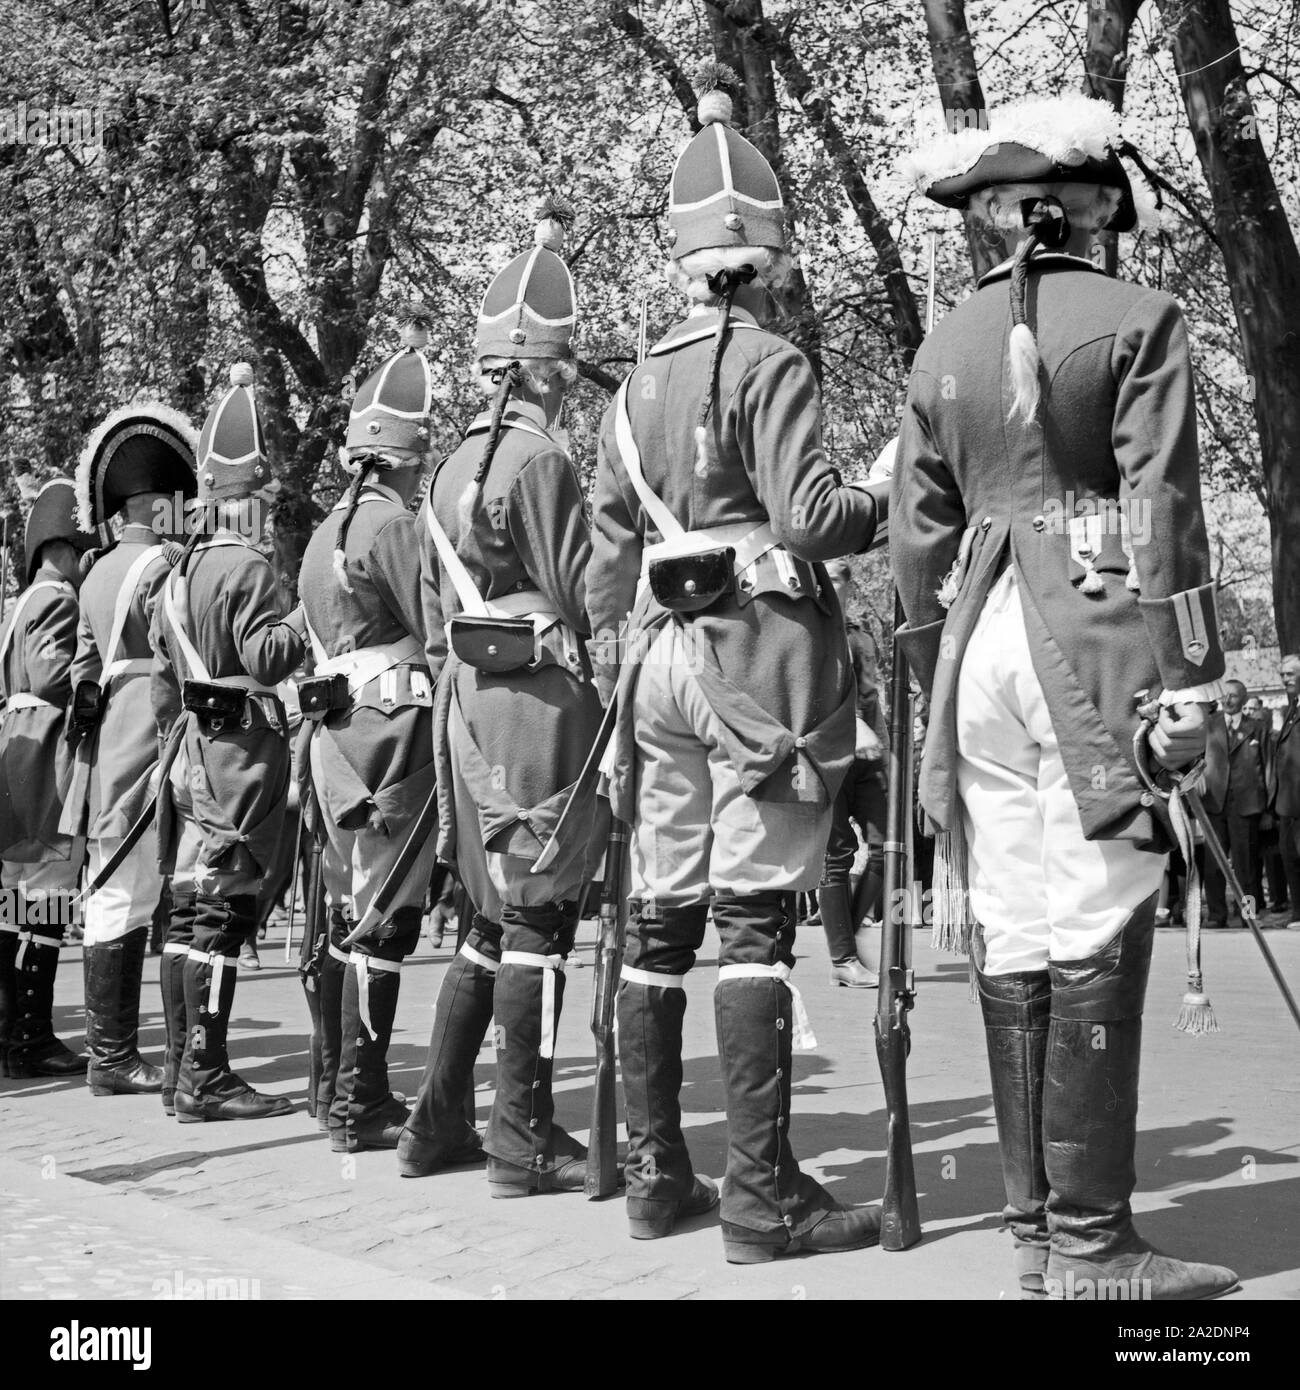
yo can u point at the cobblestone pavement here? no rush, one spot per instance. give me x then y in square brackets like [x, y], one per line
[108, 1197]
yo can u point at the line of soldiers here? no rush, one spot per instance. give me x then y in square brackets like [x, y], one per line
[463, 655]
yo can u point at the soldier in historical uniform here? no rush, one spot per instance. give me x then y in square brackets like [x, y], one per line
[504, 542]
[137, 466]
[1046, 495]
[714, 505]
[38, 864]
[371, 746]
[222, 643]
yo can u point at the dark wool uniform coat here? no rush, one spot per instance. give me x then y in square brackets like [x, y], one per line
[34, 763]
[119, 756]
[239, 776]
[531, 729]
[377, 756]
[775, 666]
[1117, 424]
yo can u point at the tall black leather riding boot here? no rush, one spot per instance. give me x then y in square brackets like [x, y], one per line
[329, 986]
[207, 1088]
[33, 1048]
[841, 941]
[113, 974]
[438, 1133]
[8, 993]
[1090, 1103]
[1016, 1009]
[171, 982]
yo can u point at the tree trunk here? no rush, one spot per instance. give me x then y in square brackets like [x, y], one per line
[952, 55]
[1105, 62]
[1263, 265]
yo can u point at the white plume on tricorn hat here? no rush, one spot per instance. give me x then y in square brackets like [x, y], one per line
[723, 192]
[232, 446]
[391, 408]
[147, 447]
[53, 517]
[1066, 139]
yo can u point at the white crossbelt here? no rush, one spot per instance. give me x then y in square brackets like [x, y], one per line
[126, 666]
[548, 965]
[525, 603]
[24, 699]
[804, 1041]
[364, 664]
[749, 540]
[344, 956]
[197, 667]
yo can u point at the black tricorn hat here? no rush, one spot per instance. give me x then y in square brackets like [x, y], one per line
[1069, 139]
[54, 518]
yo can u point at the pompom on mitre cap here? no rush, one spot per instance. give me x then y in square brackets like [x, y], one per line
[414, 320]
[241, 374]
[709, 80]
[554, 218]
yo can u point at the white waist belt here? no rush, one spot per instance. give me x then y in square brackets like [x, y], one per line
[127, 666]
[630, 975]
[365, 664]
[804, 1040]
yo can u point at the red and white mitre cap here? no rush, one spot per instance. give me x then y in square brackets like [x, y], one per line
[723, 192]
[53, 517]
[232, 446]
[530, 308]
[391, 410]
[140, 448]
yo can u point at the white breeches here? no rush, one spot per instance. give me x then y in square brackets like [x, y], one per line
[1040, 890]
[127, 901]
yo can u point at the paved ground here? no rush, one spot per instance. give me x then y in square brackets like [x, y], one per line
[108, 1197]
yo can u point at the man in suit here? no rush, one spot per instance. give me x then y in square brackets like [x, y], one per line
[1244, 802]
[1284, 782]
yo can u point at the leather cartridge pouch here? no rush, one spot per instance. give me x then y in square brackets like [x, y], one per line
[496, 645]
[87, 706]
[215, 702]
[689, 583]
[322, 695]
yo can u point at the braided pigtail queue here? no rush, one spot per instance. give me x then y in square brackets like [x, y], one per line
[1048, 226]
[354, 497]
[724, 283]
[506, 379]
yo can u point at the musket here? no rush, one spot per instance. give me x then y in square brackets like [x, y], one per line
[315, 942]
[900, 1227]
[399, 873]
[602, 1144]
[1188, 784]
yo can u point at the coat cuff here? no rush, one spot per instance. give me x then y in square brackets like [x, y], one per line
[920, 646]
[879, 494]
[1195, 694]
[1184, 634]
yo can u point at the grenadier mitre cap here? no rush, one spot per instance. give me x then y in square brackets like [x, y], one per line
[1068, 139]
[139, 448]
[391, 409]
[53, 517]
[232, 445]
[723, 192]
[530, 308]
